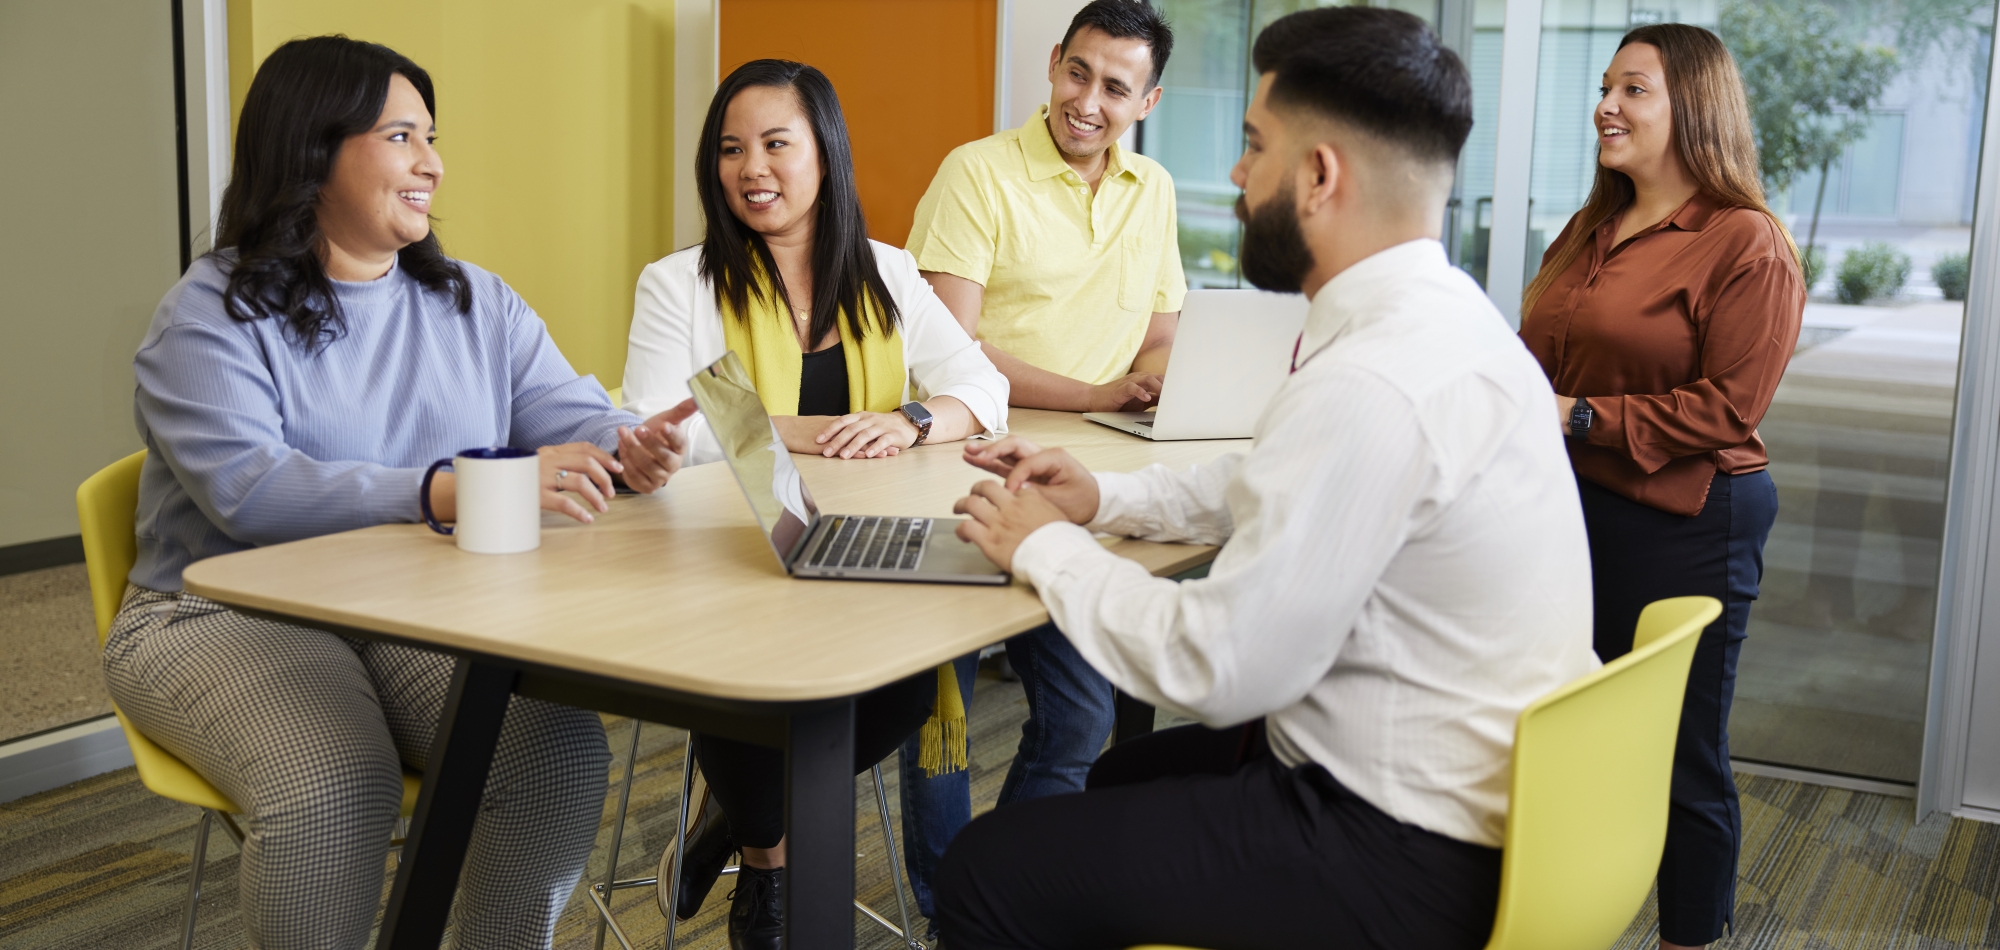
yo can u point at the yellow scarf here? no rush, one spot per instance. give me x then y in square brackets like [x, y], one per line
[769, 348]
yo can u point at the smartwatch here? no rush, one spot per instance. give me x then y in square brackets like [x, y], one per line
[919, 417]
[1580, 417]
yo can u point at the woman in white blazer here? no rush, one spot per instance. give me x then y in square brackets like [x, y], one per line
[678, 322]
[853, 356]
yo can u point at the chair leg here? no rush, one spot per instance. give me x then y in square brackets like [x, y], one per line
[895, 864]
[680, 833]
[194, 879]
[618, 828]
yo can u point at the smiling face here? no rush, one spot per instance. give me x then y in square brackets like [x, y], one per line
[1635, 122]
[769, 161]
[377, 199]
[1100, 87]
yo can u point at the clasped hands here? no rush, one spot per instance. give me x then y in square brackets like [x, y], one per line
[1042, 486]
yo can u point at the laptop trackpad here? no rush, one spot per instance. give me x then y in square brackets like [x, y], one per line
[946, 554]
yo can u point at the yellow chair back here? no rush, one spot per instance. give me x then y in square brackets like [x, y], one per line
[1587, 811]
[107, 506]
[107, 509]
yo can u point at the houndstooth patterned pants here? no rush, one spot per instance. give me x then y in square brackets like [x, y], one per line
[311, 732]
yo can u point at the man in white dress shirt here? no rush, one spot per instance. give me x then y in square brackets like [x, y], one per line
[1403, 570]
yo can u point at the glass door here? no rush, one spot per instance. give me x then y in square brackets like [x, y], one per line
[1879, 186]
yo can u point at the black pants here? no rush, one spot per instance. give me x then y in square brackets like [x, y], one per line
[1640, 554]
[1201, 837]
[748, 780]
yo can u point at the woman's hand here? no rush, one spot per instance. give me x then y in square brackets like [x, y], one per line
[651, 451]
[866, 435]
[1563, 406]
[578, 467]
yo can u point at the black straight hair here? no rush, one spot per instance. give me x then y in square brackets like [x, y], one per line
[1382, 71]
[1128, 20]
[843, 265]
[308, 98]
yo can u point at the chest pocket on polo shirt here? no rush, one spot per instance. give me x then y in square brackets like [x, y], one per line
[1140, 267]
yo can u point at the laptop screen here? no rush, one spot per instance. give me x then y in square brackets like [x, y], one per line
[751, 446]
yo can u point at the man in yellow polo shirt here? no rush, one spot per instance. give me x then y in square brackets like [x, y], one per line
[1056, 248]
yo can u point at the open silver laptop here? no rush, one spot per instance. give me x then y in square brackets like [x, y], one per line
[1231, 353]
[810, 544]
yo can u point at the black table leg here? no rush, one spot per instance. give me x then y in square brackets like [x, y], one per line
[819, 828]
[454, 781]
[1134, 718]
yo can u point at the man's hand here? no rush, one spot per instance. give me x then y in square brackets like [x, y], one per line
[1132, 392]
[999, 519]
[652, 451]
[1057, 476]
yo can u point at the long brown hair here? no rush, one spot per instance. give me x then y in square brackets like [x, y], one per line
[1711, 116]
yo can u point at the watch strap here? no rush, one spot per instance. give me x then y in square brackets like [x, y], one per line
[919, 417]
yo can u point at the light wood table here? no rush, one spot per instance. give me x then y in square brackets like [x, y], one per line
[672, 608]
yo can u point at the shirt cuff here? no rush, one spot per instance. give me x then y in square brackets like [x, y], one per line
[1119, 498]
[1040, 558]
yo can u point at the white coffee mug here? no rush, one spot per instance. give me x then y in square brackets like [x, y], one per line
[499, 500]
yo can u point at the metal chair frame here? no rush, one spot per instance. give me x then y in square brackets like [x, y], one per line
[600, 893]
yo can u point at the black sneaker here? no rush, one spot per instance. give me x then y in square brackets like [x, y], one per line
[757, 909]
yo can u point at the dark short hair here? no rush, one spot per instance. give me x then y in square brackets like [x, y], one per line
[1382, 71]
[308, 98]
[845, 278]
[1127, 20]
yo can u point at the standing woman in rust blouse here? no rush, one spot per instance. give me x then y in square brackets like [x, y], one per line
[1664, 315]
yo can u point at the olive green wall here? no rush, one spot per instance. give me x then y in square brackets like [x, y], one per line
[88, 240]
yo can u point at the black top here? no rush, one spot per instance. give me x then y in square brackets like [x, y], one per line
[823, 383]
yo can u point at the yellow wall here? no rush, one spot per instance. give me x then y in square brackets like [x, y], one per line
[555, 123]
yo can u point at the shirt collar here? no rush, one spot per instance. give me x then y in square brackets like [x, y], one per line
[1352, 298]
[1045, 161]
[1692, 215]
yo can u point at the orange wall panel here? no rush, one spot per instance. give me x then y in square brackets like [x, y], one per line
[915, 79]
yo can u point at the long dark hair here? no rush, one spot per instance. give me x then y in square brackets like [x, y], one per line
[1712, 132]
[843, 265]
[308, 98]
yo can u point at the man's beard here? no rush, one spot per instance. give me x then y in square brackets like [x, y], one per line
[1274, 255]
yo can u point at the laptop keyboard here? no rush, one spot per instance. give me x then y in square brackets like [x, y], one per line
[872, 543]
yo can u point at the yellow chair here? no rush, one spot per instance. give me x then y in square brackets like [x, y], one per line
[107, 506]
[617, 394]
[1587, 809]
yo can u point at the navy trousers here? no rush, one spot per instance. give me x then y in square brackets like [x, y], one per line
[1640, 554]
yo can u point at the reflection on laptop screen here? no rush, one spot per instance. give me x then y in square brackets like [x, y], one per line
[751, 445]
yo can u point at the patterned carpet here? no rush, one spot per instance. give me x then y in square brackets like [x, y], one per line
[103, 863]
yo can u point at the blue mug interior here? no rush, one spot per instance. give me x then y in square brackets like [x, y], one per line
[502, 452]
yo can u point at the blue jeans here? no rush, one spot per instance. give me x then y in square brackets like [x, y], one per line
[1070, 716]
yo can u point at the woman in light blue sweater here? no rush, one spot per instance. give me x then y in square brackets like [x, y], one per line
[297, 383]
